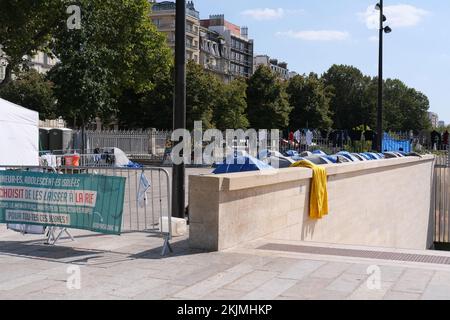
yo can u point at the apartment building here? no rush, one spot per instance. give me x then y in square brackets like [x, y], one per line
[434, 119]
[280, 69]
[163, 16]
[215, 54]
[41, 62]
[3, 65]
[292, 74]
[239, 45]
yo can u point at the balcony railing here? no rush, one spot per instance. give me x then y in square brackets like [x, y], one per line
[191, 30]
[245, 51]
[241, 62]
[216, 69]
[191, 46]
[166, 26]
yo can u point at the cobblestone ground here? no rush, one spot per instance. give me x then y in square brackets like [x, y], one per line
[130, 267]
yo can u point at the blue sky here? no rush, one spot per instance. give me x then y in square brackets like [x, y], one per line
[311, 35]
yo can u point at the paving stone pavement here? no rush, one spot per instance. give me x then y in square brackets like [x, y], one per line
[131, 267]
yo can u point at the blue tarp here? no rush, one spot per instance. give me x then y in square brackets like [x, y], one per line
[392, 145]
[333, 159]
[134, 165]
[349, 156]
[320, 153]
[292, 153]
[327, 160]
[241, 164]
[365, 156]
[297, 158]
[372, 156]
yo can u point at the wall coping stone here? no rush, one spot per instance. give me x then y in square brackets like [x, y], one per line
[257, 179]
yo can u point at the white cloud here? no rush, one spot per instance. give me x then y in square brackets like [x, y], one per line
[316, 35]
[373, 39]
[399, 16]
[294, 11]
[264, 14]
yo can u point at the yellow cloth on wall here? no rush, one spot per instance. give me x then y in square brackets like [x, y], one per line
[318, 204]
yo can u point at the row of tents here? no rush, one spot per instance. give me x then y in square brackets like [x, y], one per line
[269, 160]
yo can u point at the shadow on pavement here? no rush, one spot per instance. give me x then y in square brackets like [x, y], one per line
[36, 250]
[180, 248]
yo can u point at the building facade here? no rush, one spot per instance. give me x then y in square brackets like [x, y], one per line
[215, 54]
[221, 47]
[280, 69]
[3, 65]
[292, 74]
[163, 16]
[240, 47]
[41, 62]
[434, 119]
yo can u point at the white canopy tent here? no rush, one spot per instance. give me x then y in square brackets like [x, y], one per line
[19, 135]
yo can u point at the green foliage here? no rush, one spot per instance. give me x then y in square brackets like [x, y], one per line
[202, 97]
[117, 50]
[355, 101]
[311, 102]
[31, 90]
[118, 66]
[405, 108]
[268, 105]
[348, 85]
[152, 109]
[208, 100]
[26, 27]
[232, 107]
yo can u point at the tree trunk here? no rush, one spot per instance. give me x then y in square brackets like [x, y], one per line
[8, 75]
[83, 136]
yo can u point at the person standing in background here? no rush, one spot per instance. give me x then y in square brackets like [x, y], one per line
[291, 139]
[445, 139]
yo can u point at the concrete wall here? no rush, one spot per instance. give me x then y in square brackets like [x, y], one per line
[382, 203]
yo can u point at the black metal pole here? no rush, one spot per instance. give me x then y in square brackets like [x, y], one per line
[179, 115]
[380, 85]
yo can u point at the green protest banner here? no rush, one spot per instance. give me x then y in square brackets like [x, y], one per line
[81, 201]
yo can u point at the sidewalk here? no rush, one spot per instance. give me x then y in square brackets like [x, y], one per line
[130, 267]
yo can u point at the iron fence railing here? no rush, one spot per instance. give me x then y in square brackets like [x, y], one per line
[149, 142]
[153, 145]
[441, 199]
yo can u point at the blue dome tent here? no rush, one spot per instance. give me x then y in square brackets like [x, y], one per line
[241, 164]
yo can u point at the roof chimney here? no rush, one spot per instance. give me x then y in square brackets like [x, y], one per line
[244, 32]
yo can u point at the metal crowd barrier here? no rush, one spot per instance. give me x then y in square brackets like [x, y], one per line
[146, 211]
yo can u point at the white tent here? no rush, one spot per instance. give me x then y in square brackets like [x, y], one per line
[19, 135]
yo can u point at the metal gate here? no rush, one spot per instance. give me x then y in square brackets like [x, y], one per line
[441, 199]
[147, 200]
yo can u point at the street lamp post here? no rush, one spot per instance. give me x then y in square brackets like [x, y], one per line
[382, 30]
[179, 115]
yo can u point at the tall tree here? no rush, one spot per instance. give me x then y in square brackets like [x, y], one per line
[347, 104]
[231, 111]
[311, 102]
[152, 109]
[116, 50]
[31, 90]
[405, 108]
[26, 26]
[202, 96]
[268, 105]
